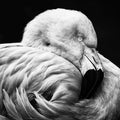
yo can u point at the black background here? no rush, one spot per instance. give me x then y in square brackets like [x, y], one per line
[104, 16]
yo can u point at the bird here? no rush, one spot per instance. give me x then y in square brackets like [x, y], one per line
[56, 73]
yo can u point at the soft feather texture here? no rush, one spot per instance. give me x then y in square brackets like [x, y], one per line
[40, 78]
[26, 71]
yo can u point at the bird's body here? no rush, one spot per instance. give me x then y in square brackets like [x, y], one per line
[36, 70]
[44, 77]
[30, 68]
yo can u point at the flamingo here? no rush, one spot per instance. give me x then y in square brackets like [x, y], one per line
[56, 73]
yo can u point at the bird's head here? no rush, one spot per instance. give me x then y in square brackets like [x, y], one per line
[67, 33]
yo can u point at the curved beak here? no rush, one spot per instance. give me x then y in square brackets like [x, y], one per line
[90, 61]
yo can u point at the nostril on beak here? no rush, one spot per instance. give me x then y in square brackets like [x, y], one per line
[95, 61]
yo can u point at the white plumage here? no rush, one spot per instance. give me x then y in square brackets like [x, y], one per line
[40, 78]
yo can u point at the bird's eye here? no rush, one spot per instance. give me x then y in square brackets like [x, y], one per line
[80, 38]
[78, 35]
